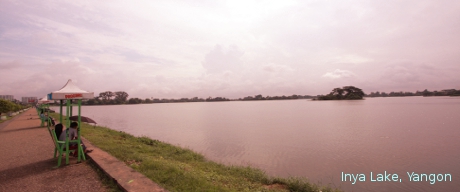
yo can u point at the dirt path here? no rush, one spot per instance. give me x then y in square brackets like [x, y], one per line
[26, 160]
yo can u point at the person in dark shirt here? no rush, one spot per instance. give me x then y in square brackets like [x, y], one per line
[61, 133]
[73, 135]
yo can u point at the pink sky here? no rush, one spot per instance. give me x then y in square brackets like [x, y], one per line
[176, 49]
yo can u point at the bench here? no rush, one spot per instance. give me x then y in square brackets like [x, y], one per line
[60, 147]
[43, 119]
[46, 119]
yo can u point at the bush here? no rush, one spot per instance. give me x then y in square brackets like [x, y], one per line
[7, 106]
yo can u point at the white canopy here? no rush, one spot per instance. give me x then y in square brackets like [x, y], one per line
[71, 91]
[44, 100]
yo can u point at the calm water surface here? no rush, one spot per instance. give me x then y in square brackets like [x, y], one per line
[314, 139]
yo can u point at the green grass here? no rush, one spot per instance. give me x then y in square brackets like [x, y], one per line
[179, 169]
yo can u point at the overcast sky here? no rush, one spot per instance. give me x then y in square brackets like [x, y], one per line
[176, 49]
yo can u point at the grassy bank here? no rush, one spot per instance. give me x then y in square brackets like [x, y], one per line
[178, 169]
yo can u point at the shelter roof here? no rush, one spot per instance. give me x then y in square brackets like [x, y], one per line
[71, 91]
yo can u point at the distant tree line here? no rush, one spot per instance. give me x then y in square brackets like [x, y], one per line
[121, 97]
[426, 93]
[193, 99]
[109, 98]
[260, 97]
[344, 93]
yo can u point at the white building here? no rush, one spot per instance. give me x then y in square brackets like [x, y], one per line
[7, 97]
[27, 100]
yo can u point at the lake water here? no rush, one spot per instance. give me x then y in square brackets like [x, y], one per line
[314, 139]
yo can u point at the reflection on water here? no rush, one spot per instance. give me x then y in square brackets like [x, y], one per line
[314, 139]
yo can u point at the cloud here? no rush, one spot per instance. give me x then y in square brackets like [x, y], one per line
[401, 73]
[338, 73]
[10, 65]
[275, 68]
[417, 76]
[233, 49]
[134, 56]
[222, 59]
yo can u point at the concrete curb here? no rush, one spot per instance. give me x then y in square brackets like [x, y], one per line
[126, 177]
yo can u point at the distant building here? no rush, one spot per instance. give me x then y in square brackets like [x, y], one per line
[7, 97]
[27, 100]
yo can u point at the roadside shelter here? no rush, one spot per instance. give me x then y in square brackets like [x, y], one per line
[43, 106]
[71, 95]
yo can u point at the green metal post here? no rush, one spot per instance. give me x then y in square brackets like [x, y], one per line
[71, 108]
[81, 154]
[60, 111]
[68, 112]
[67, 133]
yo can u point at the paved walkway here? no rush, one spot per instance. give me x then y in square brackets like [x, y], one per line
[26, 160]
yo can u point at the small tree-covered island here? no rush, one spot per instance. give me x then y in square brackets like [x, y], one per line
[344, 93]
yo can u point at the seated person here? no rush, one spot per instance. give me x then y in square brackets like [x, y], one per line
[73, 135]
[46, 118]
[42, 114]
[61, 133]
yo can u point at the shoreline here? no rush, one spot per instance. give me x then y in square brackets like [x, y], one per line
[177, 169]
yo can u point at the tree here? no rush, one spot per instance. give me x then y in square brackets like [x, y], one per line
[106, 95]
[121, 96]
[6, 106]
[346, 92]
[134, 101]
[353, 92]
[91, 102]
[427, 93]
[294, 96]
[110, 94]
[102, 96]
[338, 93]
